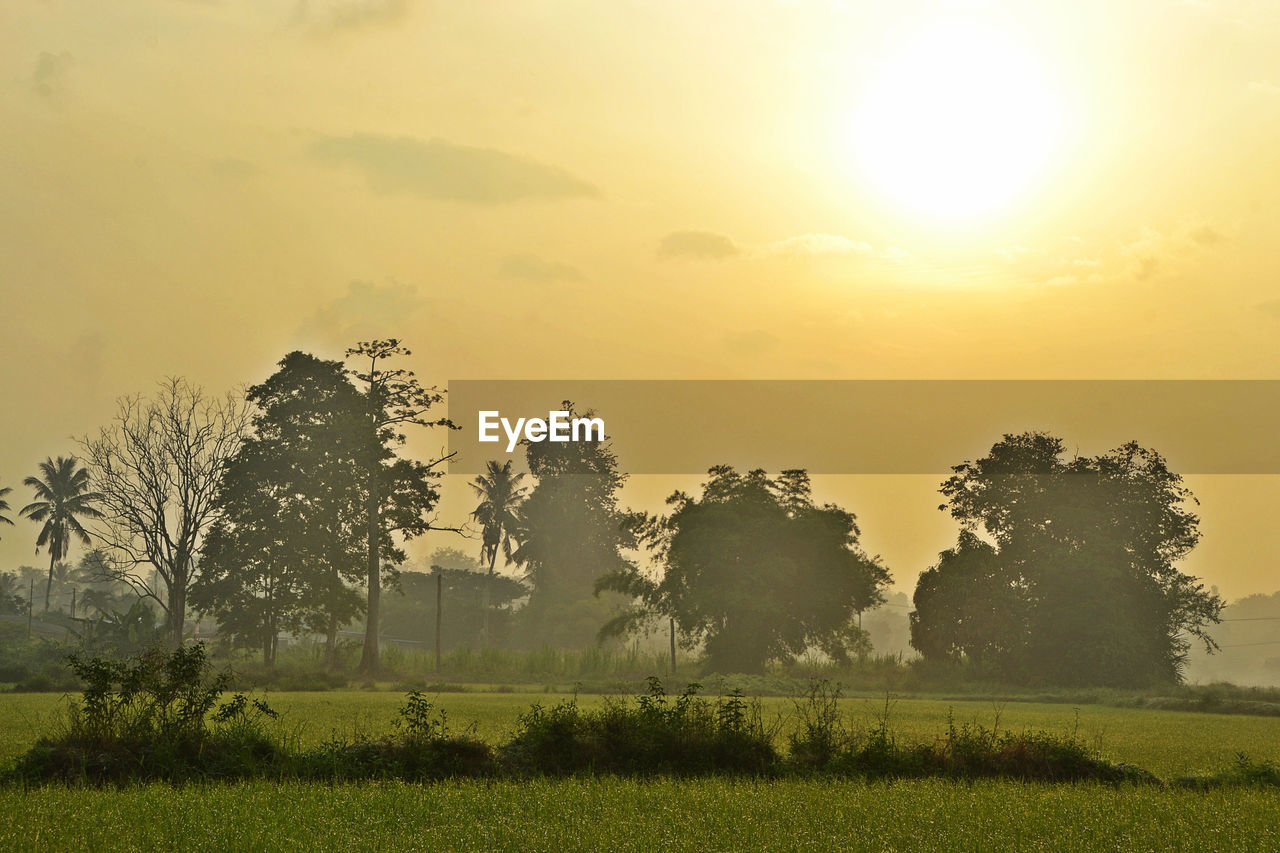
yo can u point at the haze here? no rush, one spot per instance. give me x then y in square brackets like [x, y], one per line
[641, 190]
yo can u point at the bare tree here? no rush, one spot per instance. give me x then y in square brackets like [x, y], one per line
[157, 467]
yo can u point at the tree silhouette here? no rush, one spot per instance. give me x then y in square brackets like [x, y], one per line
[4, 507]
[755, 569]
[158, 466]
[500, 495]
[291, 536]
[62, 496]
[400, 493]
[1083, 571]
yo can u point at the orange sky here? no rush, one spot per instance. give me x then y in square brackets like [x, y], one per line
[643, 190]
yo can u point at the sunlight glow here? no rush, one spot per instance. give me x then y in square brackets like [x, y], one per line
[956, 121]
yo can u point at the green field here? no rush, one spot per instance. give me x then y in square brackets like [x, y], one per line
[704, 814]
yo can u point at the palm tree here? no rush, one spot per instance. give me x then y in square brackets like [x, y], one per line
[500, 494]
[61, 496]
[4, 507]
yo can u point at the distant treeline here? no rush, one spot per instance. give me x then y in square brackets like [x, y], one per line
[284, 512]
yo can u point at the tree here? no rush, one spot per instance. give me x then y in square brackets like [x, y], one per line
[4, 507]
[452, 559]
[62, 497]
[1087, 547]
[500, 495]
[968, 606]
[291, 534]
[158, 467]
[570, 531]
[409, 612]
[400, 493]
[755, 570]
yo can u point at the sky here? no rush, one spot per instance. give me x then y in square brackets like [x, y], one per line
[748, 189]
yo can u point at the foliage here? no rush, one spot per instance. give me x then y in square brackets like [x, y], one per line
[400, 493]
[755, 570]
[409, 611]
[570, 531]
[684, 736]
[1081, 586]
[292, 531]
[4, 506]
[500, 494]
[154, 715]
[62, 497]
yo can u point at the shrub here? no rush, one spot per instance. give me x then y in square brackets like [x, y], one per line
[153, 716]
[687, 736]
[422, 749]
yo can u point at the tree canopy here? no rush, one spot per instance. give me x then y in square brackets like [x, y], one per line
[755, 570]
[1079, 584]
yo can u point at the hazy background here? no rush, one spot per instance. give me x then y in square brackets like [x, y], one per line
[624, 190]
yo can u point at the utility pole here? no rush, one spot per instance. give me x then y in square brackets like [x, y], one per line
[31, 605]
[439, 611]
[73, 602]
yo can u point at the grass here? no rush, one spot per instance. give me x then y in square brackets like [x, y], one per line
[619, 814]
[1169, 743]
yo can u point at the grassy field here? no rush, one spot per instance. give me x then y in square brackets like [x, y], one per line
[612, 814]
[1168, 743]
[705, 814]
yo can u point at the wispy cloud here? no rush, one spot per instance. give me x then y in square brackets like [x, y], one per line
[830, 244]
[50, 74]
[441, 170]
[365, 310]
[697, 244]
[533, 268]
[330, 15]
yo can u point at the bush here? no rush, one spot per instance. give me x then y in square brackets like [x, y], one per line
[153, 716]
[422, 749]
[822, 742]
[689, 736]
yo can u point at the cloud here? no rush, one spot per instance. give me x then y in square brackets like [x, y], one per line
[366, 310]
[330, 15]
[697, 244]
[1206, 235]
[830, 244]
[1012, 253]
[533, 268]
[50, 74]
[230, 167]
[447, 172]
[754, 342]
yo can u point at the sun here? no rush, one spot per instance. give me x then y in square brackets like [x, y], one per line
[956, 121]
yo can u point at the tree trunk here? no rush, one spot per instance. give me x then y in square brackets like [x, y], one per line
[331, 642]
[48, 585]
[488, 582]
[176, 618]
[370, 660]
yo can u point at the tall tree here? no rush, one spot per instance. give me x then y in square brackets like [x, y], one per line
[571, 530]
[62, 498]
[290, 540]
[1088, 547]
[400, 493]
[755, 570]
[158, 467]
[500, 494]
